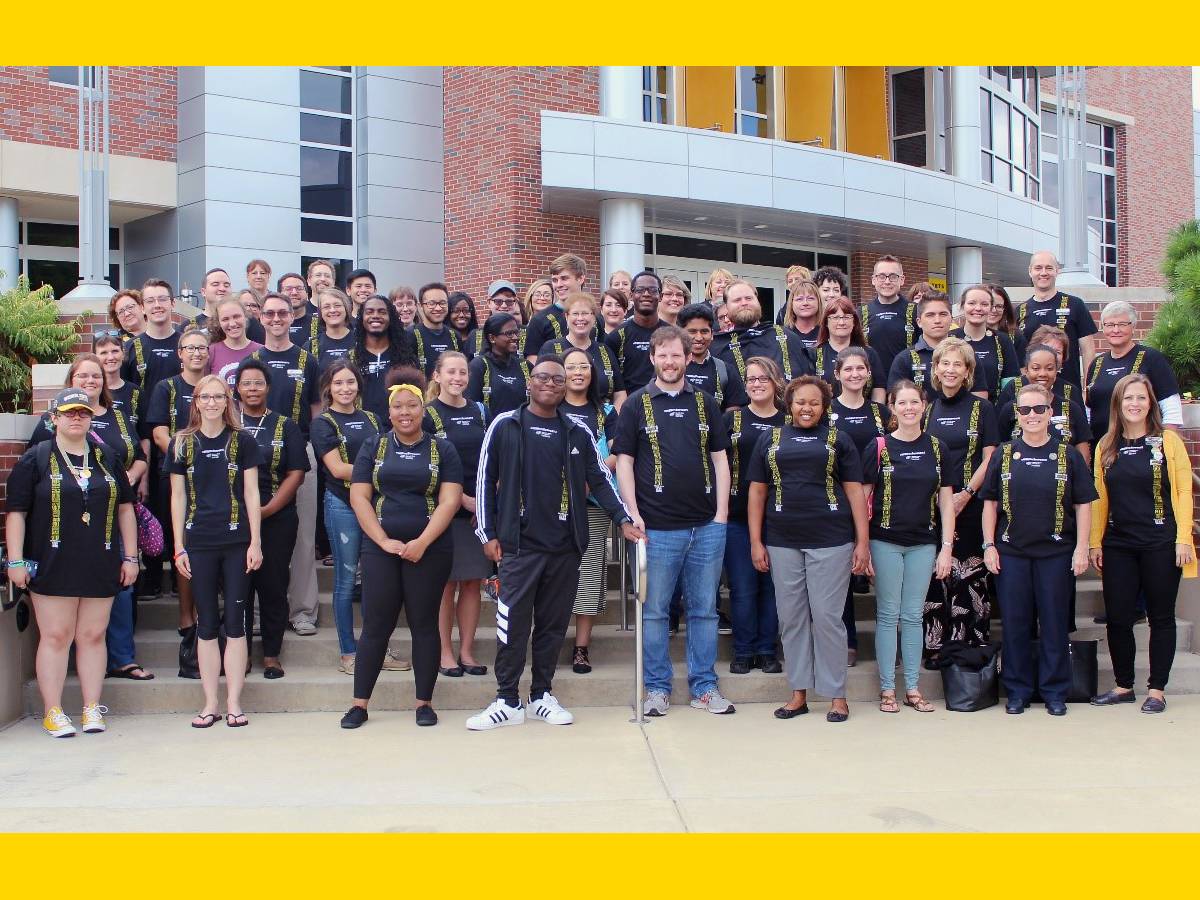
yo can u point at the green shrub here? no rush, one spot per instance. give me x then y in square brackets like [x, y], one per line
[30, 333]
[1176, 330]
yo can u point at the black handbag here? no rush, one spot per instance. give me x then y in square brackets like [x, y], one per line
[1085, 671]
[189, 663]
[971, 686]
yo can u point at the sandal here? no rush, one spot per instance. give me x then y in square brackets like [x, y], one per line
[206, 720]
[128, 671]
[887, 702]
[917, 702]
[231, 719]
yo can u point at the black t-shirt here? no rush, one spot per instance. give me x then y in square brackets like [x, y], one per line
[170, 405]
[405, 482]
[1061, 389]
[1106, 372]
[965, 424]
[864, 424]
[1068, 422]
[630, 343]
[345, 433]
[600, 423]
[772, 341]
[676, 484]
[131, 401]
[905, 485]
[545, 518]
[995, 360]
[464, 427]
[150, 360]
[807, 338]
[916, 364]
[431, 344]
[282, 448]
[1141, 514]
[1065, 311]
[745, 428]
[330, 350]
[609, 373]
[1032, 522]
[374, 368]
[706, 377]
[889, 327]
[295, 382]
[214, 511]
[500, 388]
[806, 503]
[477, 344]
[305, 330]
[824, 359]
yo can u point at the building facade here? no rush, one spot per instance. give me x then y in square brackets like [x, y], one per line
[467, 174]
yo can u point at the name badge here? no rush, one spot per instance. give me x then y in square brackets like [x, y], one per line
[295, 373]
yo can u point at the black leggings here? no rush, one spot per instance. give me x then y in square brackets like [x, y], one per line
[270, 581]
[1154, 575]
[389, 585]
[221, 569]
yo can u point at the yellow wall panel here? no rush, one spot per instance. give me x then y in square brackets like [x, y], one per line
[709, 97]
[866, 111]
[808, 103]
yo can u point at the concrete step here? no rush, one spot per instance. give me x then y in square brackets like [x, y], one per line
[609, 684]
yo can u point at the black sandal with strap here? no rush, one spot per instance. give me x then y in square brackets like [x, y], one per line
[128, 673]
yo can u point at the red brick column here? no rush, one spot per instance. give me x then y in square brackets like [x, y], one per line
[862, 264]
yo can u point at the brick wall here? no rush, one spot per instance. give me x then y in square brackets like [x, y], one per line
[142, 109]
[862, 264]
[495, 226]
[10, 452]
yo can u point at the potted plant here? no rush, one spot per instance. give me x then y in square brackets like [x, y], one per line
[1176, 331]
[30, 333]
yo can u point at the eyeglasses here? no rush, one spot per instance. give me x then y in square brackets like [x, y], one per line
[651, 290]
[757, 379]
[194, 349]
[434, 304]
[887, 276]
[839, 317]
[247, 383]
[579, 367]
[276, 313]
[1121, 325]
[1036, 409]
[508, 332]
[545, 378]
[210, 398]
[75, 413]
[504, 301]
[126, 310]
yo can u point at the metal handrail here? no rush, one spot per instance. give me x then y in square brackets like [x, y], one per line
[640, 589]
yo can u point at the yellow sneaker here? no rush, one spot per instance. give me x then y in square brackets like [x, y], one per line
[93, 718]
[58, 724]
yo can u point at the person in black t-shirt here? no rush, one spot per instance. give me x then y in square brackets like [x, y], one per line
[752, 337]
[461, 317]
[630, 341]
[450, 415]
[535, 468]
[1068, 421]
[280, 474]
[902, 474]
[915, 363]
[804, 312]
[705, 371]
[995, 355]
[216, 514]
[796, 471]
[1037, 505]
[840, 330]
[499, 377]
[1050, 306]
[70, 514]
[670, 441]
[580, 311]
[888, 320]
[336, 337]
[380, 343]
[337, 435]
[568, 274]
[126, 396]
[405, 489]
[430, 333]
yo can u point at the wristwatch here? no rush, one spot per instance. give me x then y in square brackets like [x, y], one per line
[989, 545]
[970, 490]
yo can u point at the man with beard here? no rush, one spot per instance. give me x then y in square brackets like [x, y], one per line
[751, 338]
[430, 332]
[630, 342]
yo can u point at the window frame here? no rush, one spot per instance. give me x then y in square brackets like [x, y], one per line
[655, 97]
[996, 86]
[739, 110]
[313, 248]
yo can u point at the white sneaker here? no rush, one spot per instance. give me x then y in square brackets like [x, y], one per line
[656, 704]
[549, 710]
[497, 715]
[714, 703]
[93, 718]
[304, 628]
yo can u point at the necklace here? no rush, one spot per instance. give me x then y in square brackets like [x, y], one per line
[83, 477]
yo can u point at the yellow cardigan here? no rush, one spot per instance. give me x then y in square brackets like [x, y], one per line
[1179, 471]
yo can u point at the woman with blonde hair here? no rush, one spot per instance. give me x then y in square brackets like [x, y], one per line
[804, 312]
[215, 513]
[718, 281]
[404, 301]
[620, 280]
[1141, 537]
[538, 296]
[674, 297]
[230, 344]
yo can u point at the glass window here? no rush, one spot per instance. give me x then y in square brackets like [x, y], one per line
[319, 90]
[341, 267]
[1009, 130]
[325, 182]
[833, 259]
[327, 231]
[985, 168]
[908, 102]
[985, 119]
[1002, 176]
[69, 76]
[696, 248]
[1018, 138]
[910, 150]
[656, 94]
[1000, 120]
[753, 100]
[1050, 180]
[780, 257]
[325, 130]
[47, 234]
[61, 275]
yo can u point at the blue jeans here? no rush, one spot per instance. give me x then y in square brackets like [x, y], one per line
[751, 597]
[697, 554]
[119, 636]
[345, 540]
[901, 583]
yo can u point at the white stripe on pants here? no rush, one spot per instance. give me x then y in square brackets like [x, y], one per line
[810, 595]
[302, 592]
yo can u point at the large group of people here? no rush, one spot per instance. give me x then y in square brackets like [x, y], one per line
[963, 455]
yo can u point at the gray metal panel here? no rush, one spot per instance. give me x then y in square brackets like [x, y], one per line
[251, 226]
[403, 101]
[390, 138]
[402, 203]
[404, 239]
[395, 171]
[151, 237]
[431, 75]
[270, 84]
[392, 273]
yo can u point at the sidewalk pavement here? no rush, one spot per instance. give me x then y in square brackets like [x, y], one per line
[1111, 769]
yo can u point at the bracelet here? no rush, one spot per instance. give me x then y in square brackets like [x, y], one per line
[130, 559]
[17, 564]
[180, 553]
[970, 490]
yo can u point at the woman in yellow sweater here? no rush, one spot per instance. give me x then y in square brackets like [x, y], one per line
[1141, 534]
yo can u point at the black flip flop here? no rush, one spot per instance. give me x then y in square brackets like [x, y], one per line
[128, 673]
[231, 719]
[207, 720]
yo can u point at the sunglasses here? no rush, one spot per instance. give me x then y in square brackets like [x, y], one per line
[1036, 409]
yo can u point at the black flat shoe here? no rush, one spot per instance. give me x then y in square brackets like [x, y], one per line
[1154, 705]
[451, 672]
[1015, 707]
[784, 713]
[741, 665]
[426, 716]
[273, 672]
[580, 663]
[834, 716]
[1056, 707]
[1112, 698]
[354, 717]
[475, 669]
[770, 665]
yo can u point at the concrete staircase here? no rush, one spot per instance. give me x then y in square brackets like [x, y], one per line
[313, 682]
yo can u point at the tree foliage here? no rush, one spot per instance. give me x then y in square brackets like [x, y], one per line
[1176, 330]
[30, 333]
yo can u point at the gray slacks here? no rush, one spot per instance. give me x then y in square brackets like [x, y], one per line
[302, 592]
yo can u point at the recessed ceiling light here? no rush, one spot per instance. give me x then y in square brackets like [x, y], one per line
[760, 226]
[876, 242]
[825, 234]
[701, 219]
